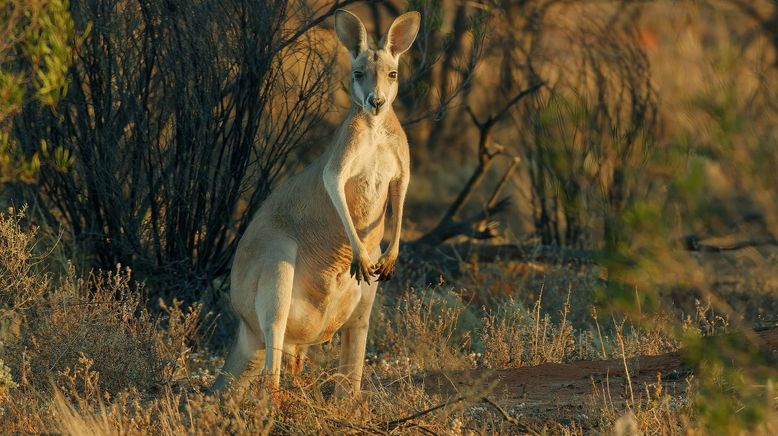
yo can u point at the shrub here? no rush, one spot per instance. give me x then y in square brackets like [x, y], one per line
[156, 161]
[89, 336]
[22, 279]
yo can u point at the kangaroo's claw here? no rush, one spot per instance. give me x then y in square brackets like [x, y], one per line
[360, 270]
[384, 268]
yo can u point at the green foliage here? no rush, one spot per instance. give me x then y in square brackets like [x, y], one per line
[710, 175]
[48, 48]
[13, 92]
[33, 67]
[735, 382]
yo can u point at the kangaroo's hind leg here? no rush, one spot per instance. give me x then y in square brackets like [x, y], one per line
[354, 339]
[245, 350]
[294, 358]
[273, 298]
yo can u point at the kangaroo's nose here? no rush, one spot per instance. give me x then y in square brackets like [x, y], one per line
[376, 102]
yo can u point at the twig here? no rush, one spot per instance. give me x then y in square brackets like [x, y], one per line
[422, 428]
[531, 90]
[626, 367]
[354, 426]
[599, 333]
[505, 415]
[313, 23]
[503, 182]
[397, 422]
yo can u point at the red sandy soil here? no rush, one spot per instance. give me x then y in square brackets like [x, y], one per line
[563, 389]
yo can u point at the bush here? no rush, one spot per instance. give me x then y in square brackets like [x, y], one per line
[87, 336]
[157, 161]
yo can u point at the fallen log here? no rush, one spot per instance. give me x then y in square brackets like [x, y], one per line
[562, 388]
[694, 243]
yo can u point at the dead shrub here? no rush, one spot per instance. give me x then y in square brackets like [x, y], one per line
[656, 410]
[422, 331]
[156, 161]
[50, 328]
[504, 336]
[100, 317]
[21, 281]
[514, 336]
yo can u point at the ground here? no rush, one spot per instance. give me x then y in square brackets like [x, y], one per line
[561, 391]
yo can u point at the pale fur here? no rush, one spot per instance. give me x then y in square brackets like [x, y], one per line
[302, 269]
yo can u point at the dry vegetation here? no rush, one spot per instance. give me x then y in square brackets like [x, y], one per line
[82, 355]
[88, 357]
[636, 141]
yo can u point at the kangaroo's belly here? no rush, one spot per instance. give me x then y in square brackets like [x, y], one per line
[320, 306]
[324, 294]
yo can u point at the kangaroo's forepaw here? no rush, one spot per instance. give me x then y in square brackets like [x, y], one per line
[384, 268]
[360, 269]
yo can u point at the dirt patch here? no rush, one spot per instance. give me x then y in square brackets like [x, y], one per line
[562, 389]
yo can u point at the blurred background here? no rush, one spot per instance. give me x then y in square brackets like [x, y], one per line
[617, 156]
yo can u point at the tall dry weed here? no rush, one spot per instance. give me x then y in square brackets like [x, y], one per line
[22, 279]
[422, 330]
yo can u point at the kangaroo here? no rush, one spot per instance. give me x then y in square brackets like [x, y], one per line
[306, 265]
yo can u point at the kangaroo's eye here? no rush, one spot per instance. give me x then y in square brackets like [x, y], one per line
[393, 74]
[358, 75]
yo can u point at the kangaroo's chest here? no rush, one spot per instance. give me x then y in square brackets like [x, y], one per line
[368, 184]
[372, 175]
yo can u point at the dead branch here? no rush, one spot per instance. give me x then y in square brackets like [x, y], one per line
[397, 422]
[503, 182]
[477, 226]
[506, 416]
[493, 252]
[693, 243]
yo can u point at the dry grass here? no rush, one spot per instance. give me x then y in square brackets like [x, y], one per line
[83, 355]
[21, 283]
[653, 412]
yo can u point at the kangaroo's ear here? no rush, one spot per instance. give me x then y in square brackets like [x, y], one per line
[402, 33]
[351, 32]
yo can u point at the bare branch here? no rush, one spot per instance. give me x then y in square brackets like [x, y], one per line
[339, 4]
[398, 422]
[474, 227]
[503, 182]
[505, 415]
[693, 243]
[512, 102]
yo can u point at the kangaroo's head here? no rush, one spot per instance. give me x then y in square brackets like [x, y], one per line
[374, 71]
